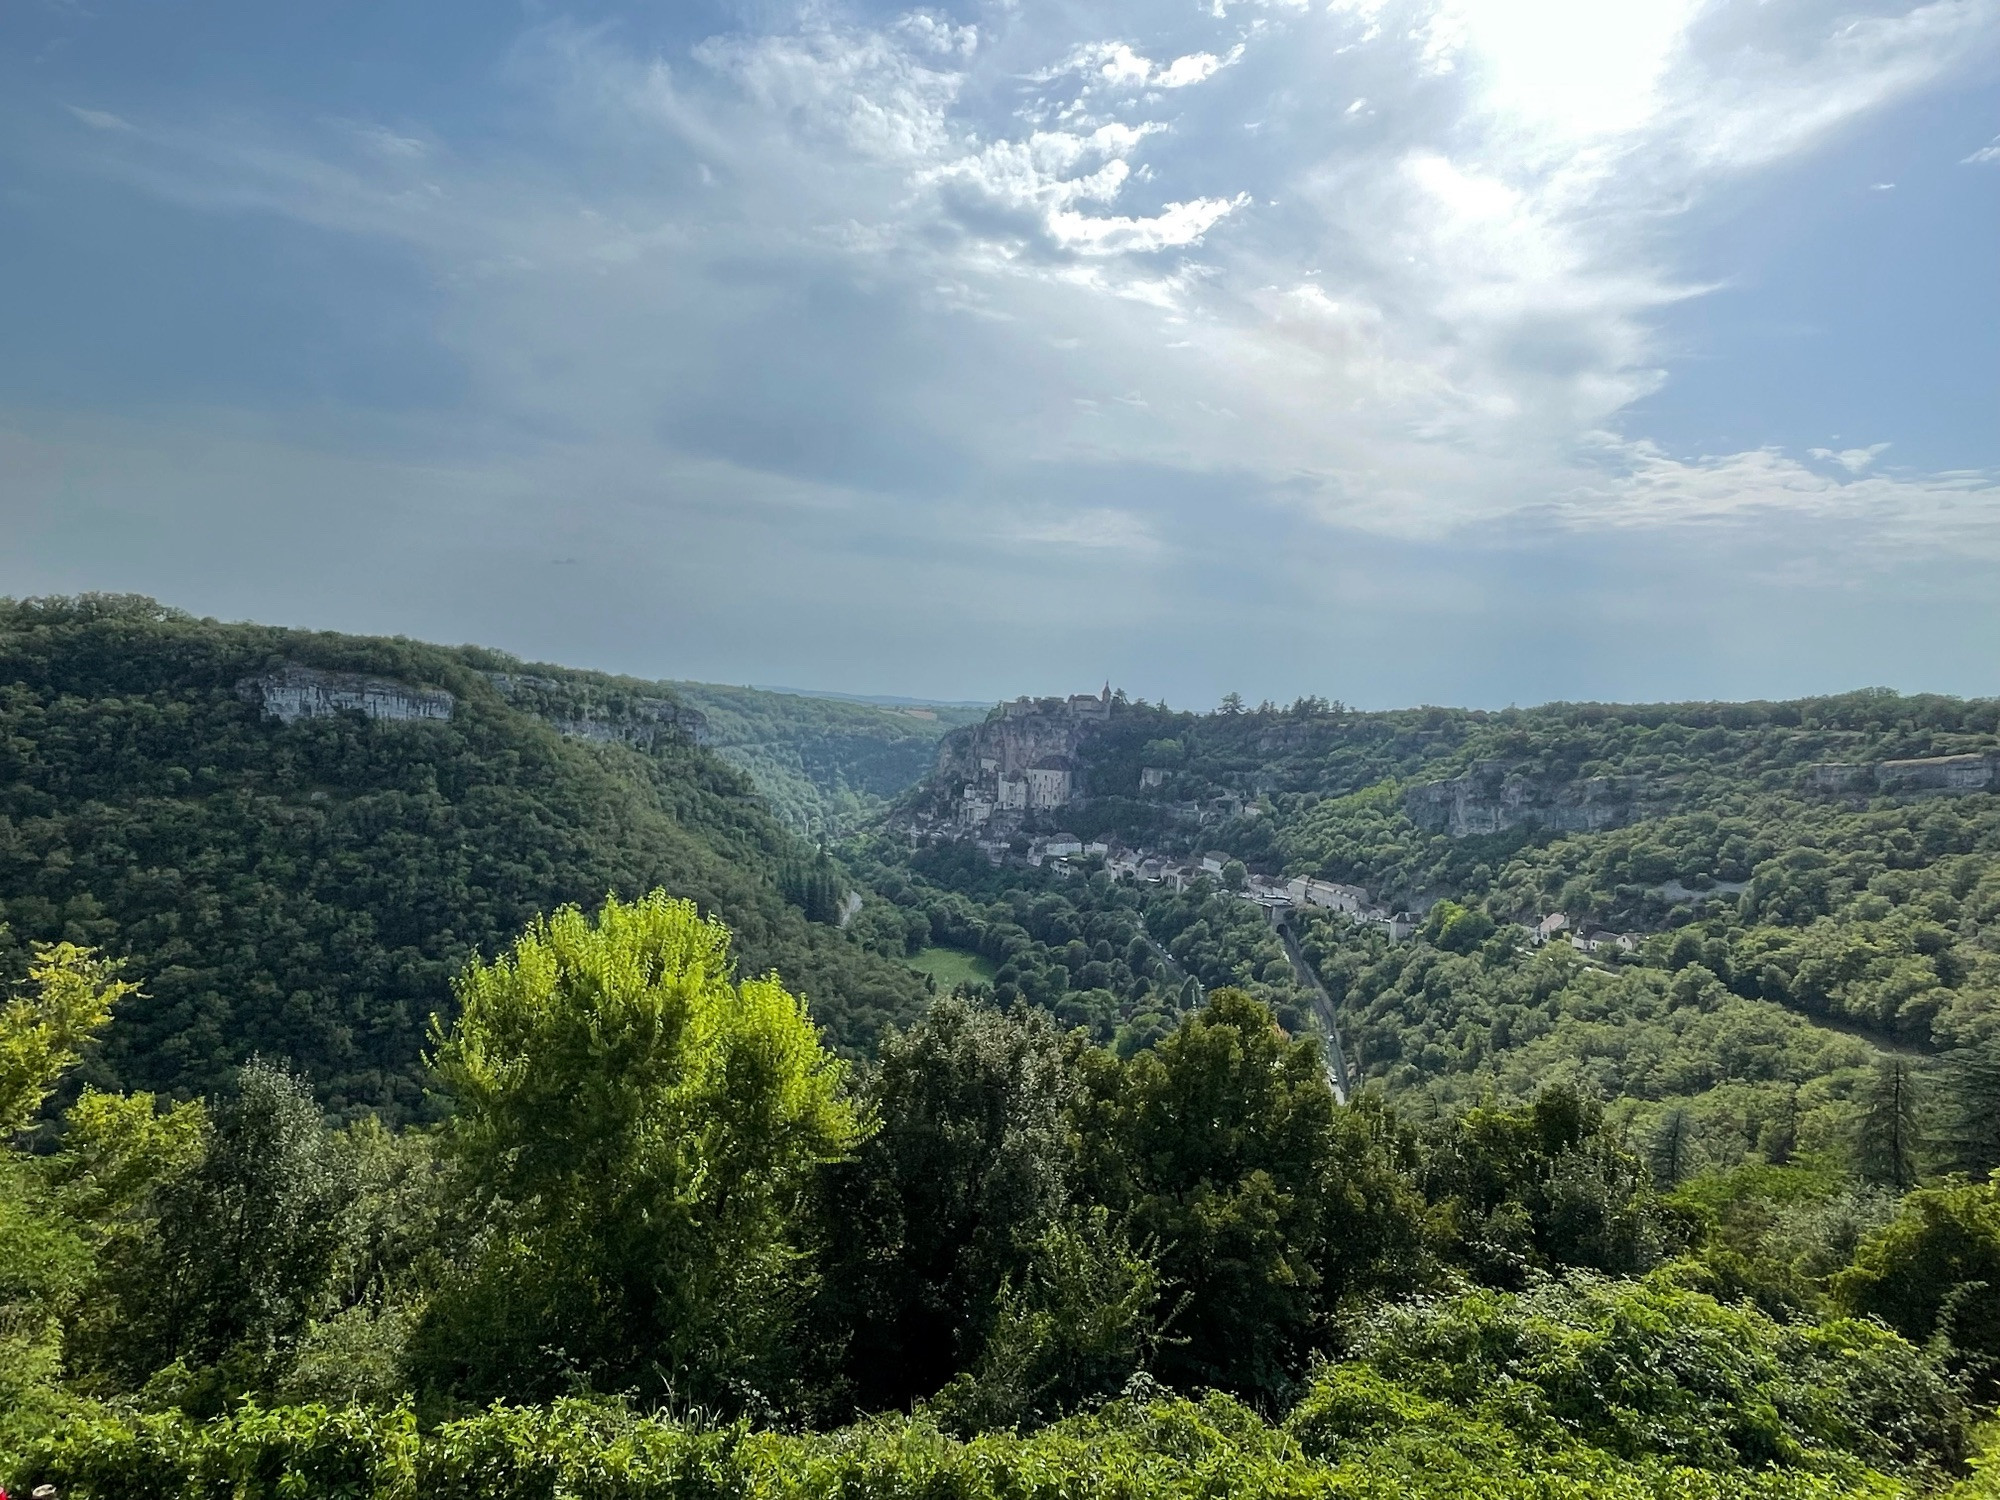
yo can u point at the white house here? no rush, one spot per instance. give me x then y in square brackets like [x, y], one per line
[1326, 894]
[1549, 926]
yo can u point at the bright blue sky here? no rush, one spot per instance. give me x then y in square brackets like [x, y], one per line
[1474, 351]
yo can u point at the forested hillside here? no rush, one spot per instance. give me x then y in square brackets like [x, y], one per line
[825, 765]
[1807, 916]
[305, 890]
[353, 1142]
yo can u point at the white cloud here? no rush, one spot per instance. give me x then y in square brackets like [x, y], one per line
[1175, 226]
[1985, 154]
[1117, 65]
[99, 119]
[908, 273]
[1854, 460]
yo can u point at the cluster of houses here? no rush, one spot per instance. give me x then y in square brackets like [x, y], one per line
[1585, 940]
[1064, 853]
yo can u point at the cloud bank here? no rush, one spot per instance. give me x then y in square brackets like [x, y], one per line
[1007, 325]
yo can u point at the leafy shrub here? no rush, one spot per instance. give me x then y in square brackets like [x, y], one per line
[1141, 1448]
[1647, 1369]
[1934, 1274]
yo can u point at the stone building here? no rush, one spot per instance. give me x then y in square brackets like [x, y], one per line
[1048, 783]
[1328, 895]
[1021, 761]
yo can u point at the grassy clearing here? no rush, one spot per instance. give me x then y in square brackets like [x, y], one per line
[951, 967]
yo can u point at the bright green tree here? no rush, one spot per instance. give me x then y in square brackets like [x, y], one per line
[636, 1129]
[67, 1000]
[44, 1263]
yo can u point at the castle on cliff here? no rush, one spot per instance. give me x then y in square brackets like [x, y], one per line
[1021, 761]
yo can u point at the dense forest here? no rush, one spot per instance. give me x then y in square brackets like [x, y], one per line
[664, 1242]
[1788, 939]
[506, 1099]
[305, 890]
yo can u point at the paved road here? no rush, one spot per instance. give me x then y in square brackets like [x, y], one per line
[1329, 1018]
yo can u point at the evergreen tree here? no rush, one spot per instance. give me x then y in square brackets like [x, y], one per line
[1969, 1140]
[1673, 1147]
[1890, 1131]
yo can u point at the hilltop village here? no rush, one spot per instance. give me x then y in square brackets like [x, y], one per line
[998, 783]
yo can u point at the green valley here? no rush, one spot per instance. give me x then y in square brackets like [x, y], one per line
[426, 1073]
[304, 887]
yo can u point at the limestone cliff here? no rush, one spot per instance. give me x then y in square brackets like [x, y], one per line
[1493, 797]
[290, 693]
[600, 713]
[1937, 773]
[1031, 741]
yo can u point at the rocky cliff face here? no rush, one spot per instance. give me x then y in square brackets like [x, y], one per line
[603, 716]
[291, 693]
[1938, 773]
[1493, 797]
[1023, 735]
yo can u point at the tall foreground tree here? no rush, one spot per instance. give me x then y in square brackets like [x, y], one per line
[635, 1130]
[950, 1198]
[246, 1236]
[43, 1027]
[1271, 1206]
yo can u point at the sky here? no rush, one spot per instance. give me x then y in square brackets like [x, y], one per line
[1397, 351]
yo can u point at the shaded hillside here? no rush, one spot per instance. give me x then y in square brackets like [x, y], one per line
[306, 889]
[824, 764]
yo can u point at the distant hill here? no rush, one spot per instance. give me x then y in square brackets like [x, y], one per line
[880, 700]
[295, 838]
[826, 762]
